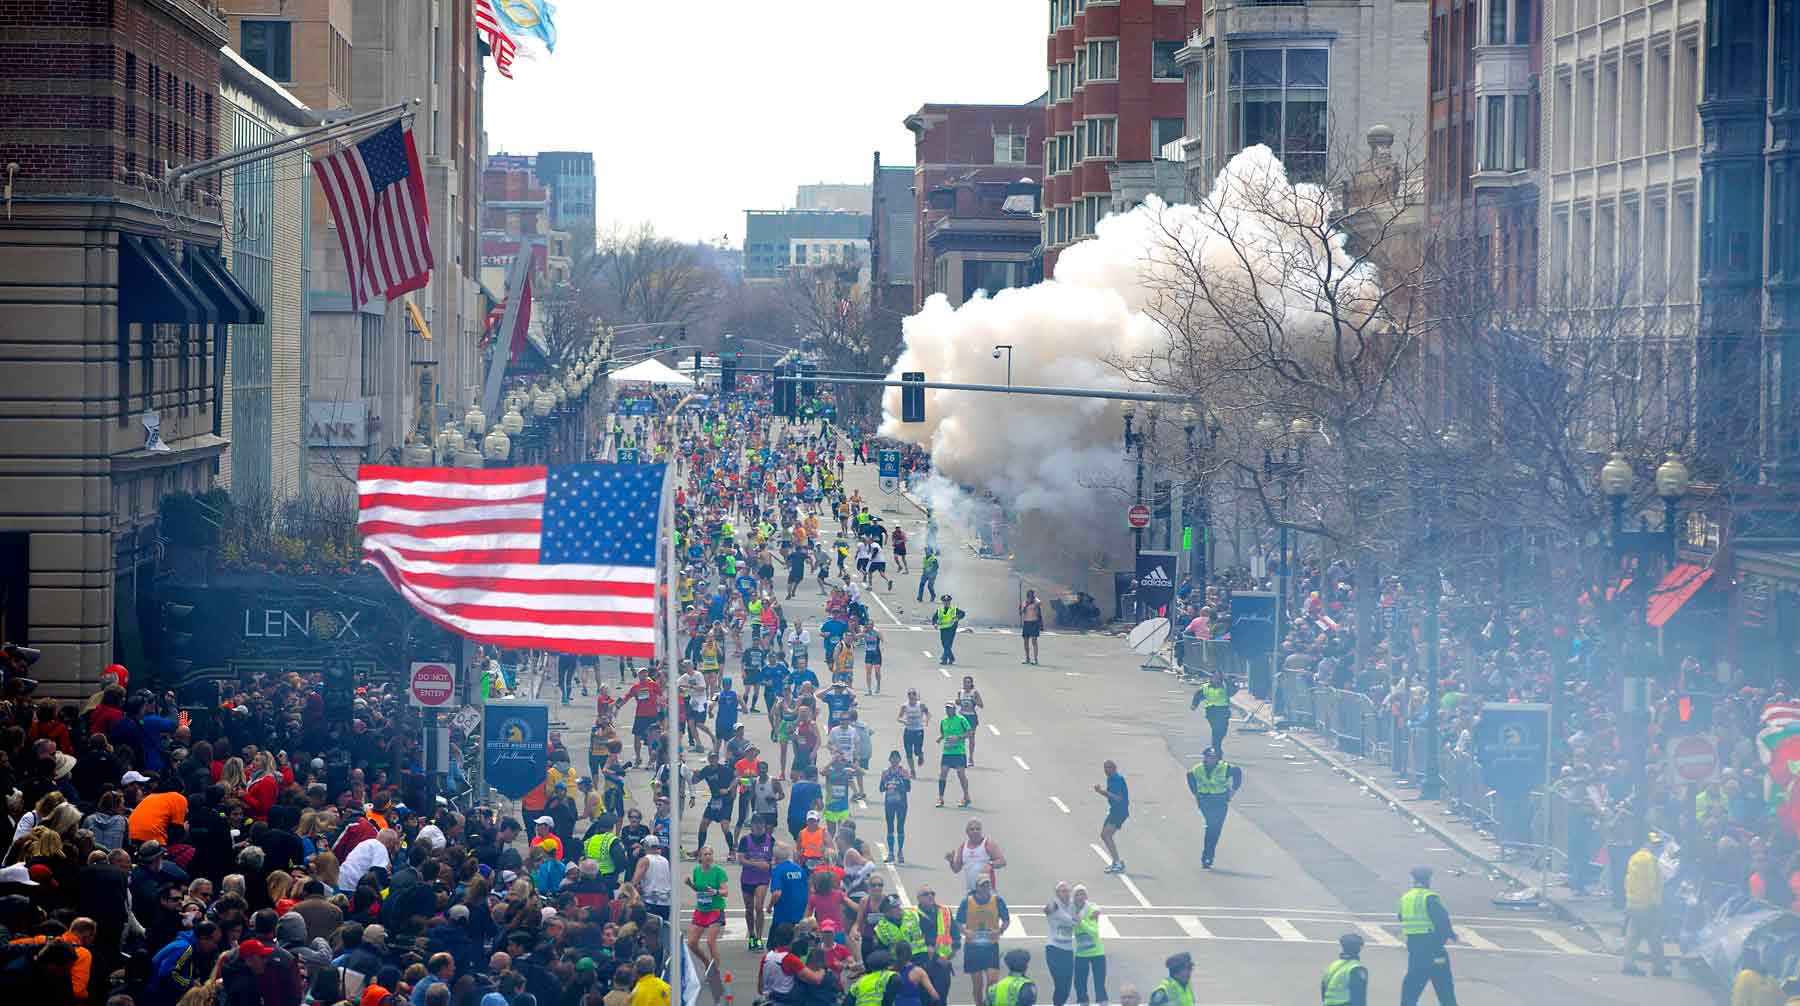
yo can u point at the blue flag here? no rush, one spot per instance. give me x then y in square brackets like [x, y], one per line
[528, 18]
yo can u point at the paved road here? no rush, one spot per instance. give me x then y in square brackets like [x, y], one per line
[1306, 854]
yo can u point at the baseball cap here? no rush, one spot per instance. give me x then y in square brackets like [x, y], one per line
[586, 964]
[812, 815]
[254, 948]
[652, 840]
[134, 776]
[18, 873]
[546, 820]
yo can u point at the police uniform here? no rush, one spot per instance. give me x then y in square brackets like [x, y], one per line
[1212, 790]
[1426, 931]
[1217, 700]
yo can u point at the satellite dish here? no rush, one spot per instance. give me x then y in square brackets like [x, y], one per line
[1148, 636]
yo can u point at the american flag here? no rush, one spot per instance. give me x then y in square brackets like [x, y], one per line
[488, 27]
[560, 558]
[377, 198]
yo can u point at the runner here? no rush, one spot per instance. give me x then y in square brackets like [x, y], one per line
[895, 786]
[756, 857]
[871, 660]
[899, 545]
[1031, 624]
[953, 732]
[1118, 808]
[969, 704]
[708, 882]
[913, 718]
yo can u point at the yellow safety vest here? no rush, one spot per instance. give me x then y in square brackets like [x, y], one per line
[941, 942]
[1005, 991]
[901, 937]
[1215, 697]
[869, 989]
[599, 849]
[1214, 783]
[1337, 981]
[946, 617]
[1415, 917]
[1087, 934]
[1176, 993]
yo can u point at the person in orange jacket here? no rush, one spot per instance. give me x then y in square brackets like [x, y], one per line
[80, 935]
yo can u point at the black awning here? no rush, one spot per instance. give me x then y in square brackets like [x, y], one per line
[207, 271]
[153, 289]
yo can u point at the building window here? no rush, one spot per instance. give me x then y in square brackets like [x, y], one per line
[1164, 131]
[1009, 148]
[1681, 261]
[1584, 120]
[1521, 33]
[1064, 159]
[1687, 82]
[1079, 147]
[267, 45]
[1656, 243]
[1631, 108]
[1081, 66]
[1278, 97]
[1162, 60]
[1065, 13]
[1521, 133]
[1607, 128]
[1102, 134]
[1496, 33]
[799, 254]
[1209, 109]
[1103, 59]
[371, 354]
[1656, 138]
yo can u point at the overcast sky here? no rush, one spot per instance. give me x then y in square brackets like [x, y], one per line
[698, 111]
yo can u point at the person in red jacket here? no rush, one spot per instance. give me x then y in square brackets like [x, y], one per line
[264, 788]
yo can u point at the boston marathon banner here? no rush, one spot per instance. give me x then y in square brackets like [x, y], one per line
[515, 746]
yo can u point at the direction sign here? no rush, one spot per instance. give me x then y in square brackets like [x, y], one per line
[889, 462]
[1694, 759]
[433, 685]
[628, 455]
[1138, 516]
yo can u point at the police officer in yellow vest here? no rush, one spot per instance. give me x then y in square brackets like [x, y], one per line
[1176, 990]
[1216, 696]
[1346, 981]
[898, 929]
[602, 845]
[1425, 923]
[946, 618]
[1214, 782]
[879, 985]
[1016, 989]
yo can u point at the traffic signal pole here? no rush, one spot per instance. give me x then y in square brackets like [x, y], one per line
[999, 389]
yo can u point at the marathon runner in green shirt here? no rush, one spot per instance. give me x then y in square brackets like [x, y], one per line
[953, 732]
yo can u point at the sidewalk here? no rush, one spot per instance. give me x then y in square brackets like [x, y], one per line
[1592, 913]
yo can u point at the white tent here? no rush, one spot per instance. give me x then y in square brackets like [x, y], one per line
[651, 371]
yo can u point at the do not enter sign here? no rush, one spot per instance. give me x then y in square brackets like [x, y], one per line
[433, 685]
[1693, 759]
[1138, 516]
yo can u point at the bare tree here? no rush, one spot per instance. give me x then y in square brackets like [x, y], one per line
[842, 329]
[639, 276]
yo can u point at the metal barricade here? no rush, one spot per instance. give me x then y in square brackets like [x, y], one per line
[1294, 698]
[1324, 710]
[1353, 721]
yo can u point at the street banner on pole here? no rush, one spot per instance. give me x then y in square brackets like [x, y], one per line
[1252, 623]
[1155, 582]
[1512, 742]
[515, 746]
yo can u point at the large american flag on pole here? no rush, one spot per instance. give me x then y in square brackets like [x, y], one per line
[560, 558]
[377, 197]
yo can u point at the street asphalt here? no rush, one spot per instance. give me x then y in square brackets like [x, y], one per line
[1306, 854]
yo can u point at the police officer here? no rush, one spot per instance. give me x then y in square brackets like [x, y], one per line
[1016, 989]
[946, 618]
[1346, 981]
[1176, 989]
[898, 930]
[1425, 923]
[1216, 695]
[877, 986]
[1214, 782]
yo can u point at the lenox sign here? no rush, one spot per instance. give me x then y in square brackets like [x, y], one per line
[279, 623]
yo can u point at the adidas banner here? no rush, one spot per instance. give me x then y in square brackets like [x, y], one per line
[1155, 583]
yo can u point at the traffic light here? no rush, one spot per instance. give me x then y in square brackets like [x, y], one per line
[784, 393]
[682, 332]
[175, 638]
[807, 370]
[727, 373]
[1693, 713]
[696, 365]
[912, 399]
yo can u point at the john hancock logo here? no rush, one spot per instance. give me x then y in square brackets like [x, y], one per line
[514, 742]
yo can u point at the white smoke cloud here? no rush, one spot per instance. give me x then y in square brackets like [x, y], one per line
[1045, 454]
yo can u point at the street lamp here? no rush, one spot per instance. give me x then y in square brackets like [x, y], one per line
[1454, 444]
[1671, 485]
[1208, 425]
[498, 446]
[1134, 440]
[474, 421]
[1289, 469]
[1008, 348]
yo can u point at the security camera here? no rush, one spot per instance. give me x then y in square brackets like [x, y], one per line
[996, 354]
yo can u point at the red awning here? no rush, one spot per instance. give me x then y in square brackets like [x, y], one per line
[1674, 591]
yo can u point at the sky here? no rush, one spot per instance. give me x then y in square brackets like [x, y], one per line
[697, 111]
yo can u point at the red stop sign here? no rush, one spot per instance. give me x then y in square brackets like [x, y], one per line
[1138, 515]
[433, 685]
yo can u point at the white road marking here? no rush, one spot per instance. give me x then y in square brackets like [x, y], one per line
[862, 804]
[894, 875]
[1556, 940]
[916, 628]
[1192, 927]
[1107, 930]
[1377, 935]
[1285, 929]
[1021, 762]
[1142, 901]
[942, 670]
[1060, 805]
[884, 607]
[927, 654]
[1475, 939]
[992, 729]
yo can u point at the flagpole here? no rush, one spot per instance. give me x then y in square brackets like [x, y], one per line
[672, 736]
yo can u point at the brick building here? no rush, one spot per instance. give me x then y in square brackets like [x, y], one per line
[1116, 98]
[966, 160]
[112, 313]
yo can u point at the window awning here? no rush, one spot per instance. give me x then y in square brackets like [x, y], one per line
[233, 303]
[1674, 591]
[154, 290]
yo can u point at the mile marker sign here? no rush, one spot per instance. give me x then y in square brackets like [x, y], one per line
[1694, 759]
[1138, 516]
[433, 685]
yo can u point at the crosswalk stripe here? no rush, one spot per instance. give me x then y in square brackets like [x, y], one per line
[1015, 929]
[1192, 926]
[1107, 930]
[1556, 940]
[1285, 929]
[1475, 939]
[1377, 935]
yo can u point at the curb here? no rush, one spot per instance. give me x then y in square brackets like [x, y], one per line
[1258, 711]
